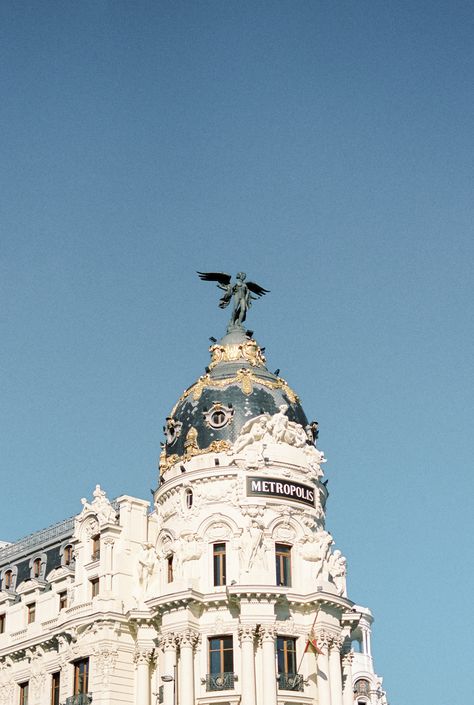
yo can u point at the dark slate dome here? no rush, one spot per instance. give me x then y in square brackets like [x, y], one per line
[237, 387]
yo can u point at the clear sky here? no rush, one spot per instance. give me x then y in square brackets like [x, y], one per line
[325, 148]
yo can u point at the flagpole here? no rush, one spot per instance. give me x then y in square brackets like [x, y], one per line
[307, 640]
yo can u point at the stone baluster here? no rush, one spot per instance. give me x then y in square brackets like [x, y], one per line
[335, 673]
[143, 657]
[322, 674]
[267, 641]
[187, 640]
[247, 636]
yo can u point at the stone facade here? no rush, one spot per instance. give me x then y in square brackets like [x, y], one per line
[227, 590]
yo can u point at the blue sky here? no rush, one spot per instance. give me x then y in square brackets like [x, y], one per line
[325, 148]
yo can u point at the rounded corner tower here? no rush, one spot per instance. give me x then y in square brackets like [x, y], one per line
[251, 601]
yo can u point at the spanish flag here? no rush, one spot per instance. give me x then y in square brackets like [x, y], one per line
[312, 643]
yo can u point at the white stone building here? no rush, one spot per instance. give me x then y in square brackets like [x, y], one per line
[227, 590]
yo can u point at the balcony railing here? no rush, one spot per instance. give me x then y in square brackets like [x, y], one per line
[220, 681]
[290, 681]
[80, 699]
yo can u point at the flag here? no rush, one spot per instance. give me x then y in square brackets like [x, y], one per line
[312, 643]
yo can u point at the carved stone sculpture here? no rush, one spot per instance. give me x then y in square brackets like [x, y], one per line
[252, 548]
[147, 563]
[316, 549]
[337, 567]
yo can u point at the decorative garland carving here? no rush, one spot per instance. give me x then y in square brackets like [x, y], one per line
[166, 462]
[248, 350]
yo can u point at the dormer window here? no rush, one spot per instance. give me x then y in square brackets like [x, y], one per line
[68, 555]
[8, 580]
[36, 572]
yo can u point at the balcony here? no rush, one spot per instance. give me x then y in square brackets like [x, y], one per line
[220, 681]
[290, 681]
[80, 699]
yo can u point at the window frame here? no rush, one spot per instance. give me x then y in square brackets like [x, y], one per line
[81, 678]
[283, 564]
[169, 568]
[288, 655]
[62, 600]
[7, 582]
[24, 692]
[219, 563]
[95, 546]
[31, 613]
[223, 651]
[3, 622]
[55, 688]
[95, 586]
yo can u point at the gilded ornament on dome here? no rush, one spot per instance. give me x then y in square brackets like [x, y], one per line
[248, 350]
[192, 449]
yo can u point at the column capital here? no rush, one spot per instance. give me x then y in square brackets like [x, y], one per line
[247, 632]
[167, 641]
[187, 637]
[143, 655]
[266, 633]
[347, 659]
[336, 642]
[324, 639]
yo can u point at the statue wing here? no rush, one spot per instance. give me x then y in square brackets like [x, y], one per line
[257, 289]
[221, 277]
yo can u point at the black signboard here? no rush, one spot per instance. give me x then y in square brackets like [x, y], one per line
[283, 489]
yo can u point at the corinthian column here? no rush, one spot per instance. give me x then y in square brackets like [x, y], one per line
[186, 640]
[322, 674]
[142, 658]
[247, 634]
[168, 644]
[347, 694]
[267, 640]
[335, 674]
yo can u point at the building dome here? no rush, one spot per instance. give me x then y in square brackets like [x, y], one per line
[237, 387]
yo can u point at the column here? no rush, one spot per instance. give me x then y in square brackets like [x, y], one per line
[267, 640]
[335, 674]
[347, 694]
[247, 635]
[186, 640]
[142, 658]
[168, 644]
[322, 673]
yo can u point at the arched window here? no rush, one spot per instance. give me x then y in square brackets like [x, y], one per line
[68, 555]
[362, 687]
[188, 498]
[8, 580]
[169, 567]
[36, 570]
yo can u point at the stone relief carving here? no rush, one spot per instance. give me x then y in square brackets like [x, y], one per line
[105, 660]
[316, 549]
[277, 428]
[100, 506]
[337, 568]
[252, 547]
[187, 549]
[146, 568]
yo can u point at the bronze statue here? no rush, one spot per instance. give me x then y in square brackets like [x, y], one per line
[241, 293]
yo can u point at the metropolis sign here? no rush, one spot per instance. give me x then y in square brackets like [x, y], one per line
[283, 489]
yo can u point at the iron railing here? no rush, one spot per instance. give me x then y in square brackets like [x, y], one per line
[290, 681]
[220, 681]
[80, 699]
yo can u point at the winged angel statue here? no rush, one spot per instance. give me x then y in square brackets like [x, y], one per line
[241, 293]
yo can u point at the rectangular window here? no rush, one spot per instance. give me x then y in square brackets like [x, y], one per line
[2, 623]
[31, 612]
[94, 586]
[62, 600]
[283, 564]
[55, 685]
[219, 564]
[81, 676]
[96, 547]
[24, 693]
[68, 555]
[286, 653]
[36, 567]
[169, 567]
[221, 655]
